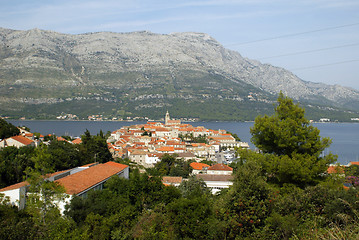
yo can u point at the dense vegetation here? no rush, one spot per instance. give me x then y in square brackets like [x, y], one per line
[58, 155]
[7, 129]
[280, 193]
[170, 165]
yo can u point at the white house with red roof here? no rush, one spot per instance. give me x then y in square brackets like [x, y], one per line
[137, 155]
[220, 169]
[152, 159]
[17, 141]
[226, 140]
[199, 167]
[172, 181]
[77, 181]
[216, 182]
[166, 149]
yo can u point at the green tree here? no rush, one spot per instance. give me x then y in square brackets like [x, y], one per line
[287, 132]
[194, 188]
[171, 166]
[352, 170]
[65, 155]
[43, 195]
[247, 204]
[190, 218]
[15, 223]
[13, 162]
[292, 146]
[7, 129]
[94, 148]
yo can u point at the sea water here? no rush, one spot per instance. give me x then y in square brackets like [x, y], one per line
[345, 136]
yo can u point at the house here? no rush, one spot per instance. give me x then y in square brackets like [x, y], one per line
[353, 163]
[173, 181]
[145, 158]
[138, 156]
[216, 182]
[77, 182]
[226, 140]
[92, 177]
[77, 141]
[199, 149]
[16, 194]
[152, 159]
[166, 149]
[199, 167]
[17, 141]
[220, 169]
[61, 139]
[335, 169]
[186, 156]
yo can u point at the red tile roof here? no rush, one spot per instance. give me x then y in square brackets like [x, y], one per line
[220, 167]
[171, 180]
[77, 141]
[14, 186]
[161, 129]
[118, 165]
[61, 139]
[215, 177]
[166, 149]
[81, 181]
[22, 140]
[335, 169]
[198, 166]
[25, 183]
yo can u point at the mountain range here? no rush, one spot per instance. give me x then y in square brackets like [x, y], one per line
[45, 73]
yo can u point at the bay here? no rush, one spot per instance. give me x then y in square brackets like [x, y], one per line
[345, 136]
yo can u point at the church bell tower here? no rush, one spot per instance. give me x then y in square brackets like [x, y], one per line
[167, 118]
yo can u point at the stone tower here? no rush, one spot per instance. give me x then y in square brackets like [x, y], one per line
[167, 118]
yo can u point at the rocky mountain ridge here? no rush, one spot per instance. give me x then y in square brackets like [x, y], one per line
[121, 67]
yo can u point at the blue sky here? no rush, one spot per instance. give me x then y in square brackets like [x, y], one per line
[318, 40]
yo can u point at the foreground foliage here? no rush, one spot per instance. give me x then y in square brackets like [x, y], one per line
[292, 148]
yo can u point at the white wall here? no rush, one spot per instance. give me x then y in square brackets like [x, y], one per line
[216, 186]
[219, 172]
[17, 196]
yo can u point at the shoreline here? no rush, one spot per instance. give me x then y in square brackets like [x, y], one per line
[214, 121]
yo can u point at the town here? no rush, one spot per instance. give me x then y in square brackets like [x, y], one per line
[144, 144]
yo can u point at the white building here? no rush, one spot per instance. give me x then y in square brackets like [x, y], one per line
[216, 182]
[77, 181]
[220, 169]
[17, 141]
